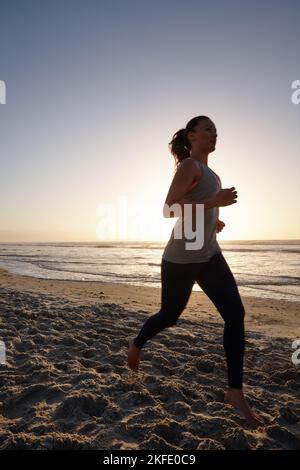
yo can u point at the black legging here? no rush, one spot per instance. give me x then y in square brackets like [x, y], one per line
[217, 281]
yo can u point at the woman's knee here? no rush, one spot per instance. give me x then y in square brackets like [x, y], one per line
[235, 314]
[240, 311]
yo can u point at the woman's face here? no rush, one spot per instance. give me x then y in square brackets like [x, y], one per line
[204, 136]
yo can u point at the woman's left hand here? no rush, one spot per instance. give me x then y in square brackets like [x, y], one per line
[219, 226]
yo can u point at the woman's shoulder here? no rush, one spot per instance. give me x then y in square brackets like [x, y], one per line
[191, 164]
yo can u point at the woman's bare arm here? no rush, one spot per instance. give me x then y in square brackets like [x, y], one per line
[186, 177]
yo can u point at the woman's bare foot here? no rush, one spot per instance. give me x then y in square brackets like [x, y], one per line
[236, 398]
[133, 355]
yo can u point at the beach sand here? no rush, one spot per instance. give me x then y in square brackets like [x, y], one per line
[66, 384]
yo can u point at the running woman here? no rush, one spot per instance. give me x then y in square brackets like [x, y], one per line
[194, 182]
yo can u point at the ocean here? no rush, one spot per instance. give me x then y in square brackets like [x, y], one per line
[267, 268]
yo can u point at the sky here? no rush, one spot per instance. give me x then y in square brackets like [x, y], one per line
[95, 91]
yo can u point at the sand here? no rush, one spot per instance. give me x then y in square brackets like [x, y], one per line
[66, 384]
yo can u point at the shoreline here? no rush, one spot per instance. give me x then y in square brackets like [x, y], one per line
[272, 317]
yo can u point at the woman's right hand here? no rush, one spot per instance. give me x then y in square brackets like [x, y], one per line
[226, 197]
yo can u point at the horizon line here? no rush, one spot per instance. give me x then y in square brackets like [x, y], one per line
[151, 241]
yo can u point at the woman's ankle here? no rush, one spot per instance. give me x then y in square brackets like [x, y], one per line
[235, 389]
[137, 347]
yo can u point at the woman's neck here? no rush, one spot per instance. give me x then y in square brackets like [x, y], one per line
[201, 156]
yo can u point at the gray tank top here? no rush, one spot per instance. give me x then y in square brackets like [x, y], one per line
[175, 250]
